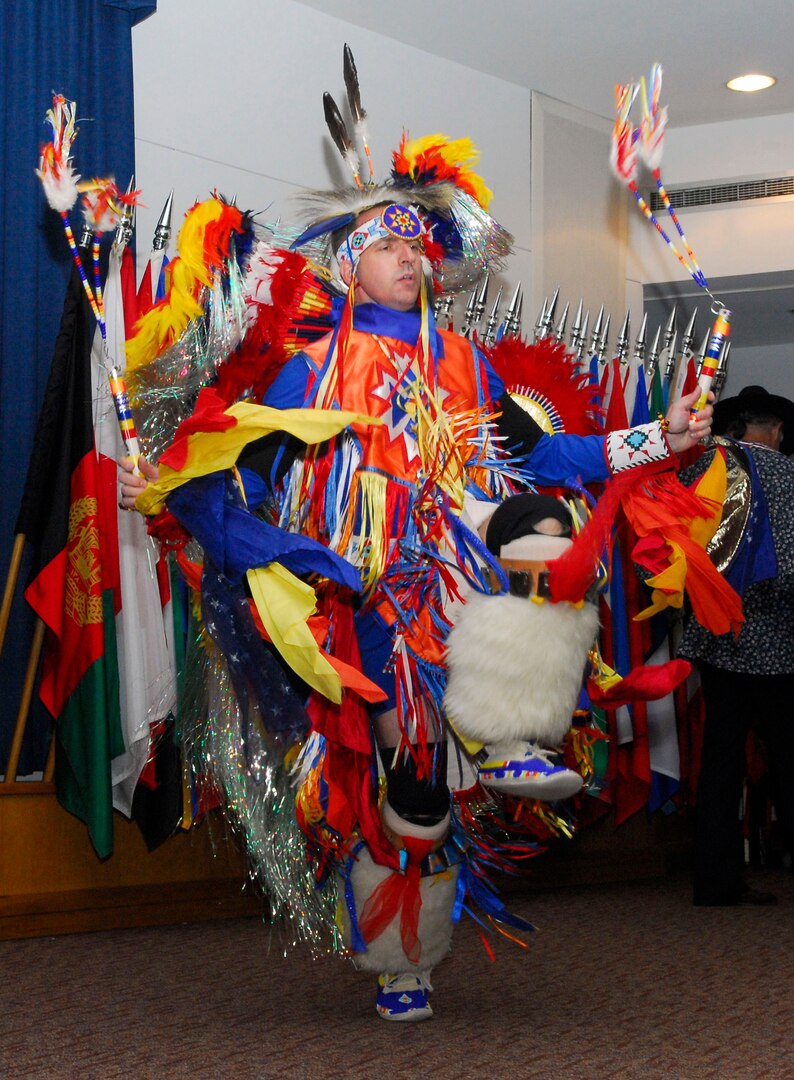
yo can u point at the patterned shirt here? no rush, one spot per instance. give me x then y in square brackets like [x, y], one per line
[765, 645]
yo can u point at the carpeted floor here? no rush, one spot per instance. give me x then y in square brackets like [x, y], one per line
[625, 981]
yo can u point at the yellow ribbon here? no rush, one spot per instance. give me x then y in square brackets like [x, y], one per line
[213, 451]
[284, 603]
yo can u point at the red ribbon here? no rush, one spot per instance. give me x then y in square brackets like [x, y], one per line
[399, 892]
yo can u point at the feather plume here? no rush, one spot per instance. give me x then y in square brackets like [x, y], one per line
[544, 380]
[623, 149]
[436, 158]
[322, 228]
[340, 135]
[203, 245]
[55, 171]
[352, 87]
[654, 120]
[357, 111]
[103, 203]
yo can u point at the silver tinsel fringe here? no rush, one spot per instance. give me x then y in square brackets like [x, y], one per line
[247, 770]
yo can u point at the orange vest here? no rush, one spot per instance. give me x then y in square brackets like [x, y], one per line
[374, 379]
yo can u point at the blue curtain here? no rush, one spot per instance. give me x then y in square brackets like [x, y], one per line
[83, 50]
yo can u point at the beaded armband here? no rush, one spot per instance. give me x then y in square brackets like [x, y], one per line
[636, 446]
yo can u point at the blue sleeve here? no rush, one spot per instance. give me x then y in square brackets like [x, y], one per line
[556, 459]
[288, 389]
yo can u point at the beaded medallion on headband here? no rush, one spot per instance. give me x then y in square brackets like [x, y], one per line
[395, 222]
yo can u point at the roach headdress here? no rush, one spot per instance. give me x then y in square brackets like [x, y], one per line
[432, 176]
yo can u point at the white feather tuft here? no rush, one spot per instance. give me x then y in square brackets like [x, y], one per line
[55, 171]
[60, 189]
[265, 260]
[99, 212]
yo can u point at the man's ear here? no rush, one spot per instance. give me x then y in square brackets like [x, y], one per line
[345, 270]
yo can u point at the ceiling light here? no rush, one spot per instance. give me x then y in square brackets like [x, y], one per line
[747, 84]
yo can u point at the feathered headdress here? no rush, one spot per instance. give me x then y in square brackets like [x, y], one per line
[432, 174]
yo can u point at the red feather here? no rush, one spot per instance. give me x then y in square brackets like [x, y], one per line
[547, 373]
[299, 312]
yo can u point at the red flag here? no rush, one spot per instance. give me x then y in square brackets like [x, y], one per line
[68, 513]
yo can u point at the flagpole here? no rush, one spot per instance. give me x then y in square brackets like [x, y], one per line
[24, 706]
[11, 584]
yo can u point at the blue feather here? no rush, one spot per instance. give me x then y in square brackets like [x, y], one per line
[322, 228]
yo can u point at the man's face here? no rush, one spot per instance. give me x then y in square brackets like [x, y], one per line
[389, 272]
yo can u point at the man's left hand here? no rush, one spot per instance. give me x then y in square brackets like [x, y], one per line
[686, 431]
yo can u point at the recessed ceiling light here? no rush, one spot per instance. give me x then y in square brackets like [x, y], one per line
[747, 84]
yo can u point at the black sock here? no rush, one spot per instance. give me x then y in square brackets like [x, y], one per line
[422, 802]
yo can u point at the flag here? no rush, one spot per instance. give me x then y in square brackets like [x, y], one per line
[639, 412]
[656, 400]
[616, 418]
[68, 513]
[152, 286]
[685, 379]
[146, 671]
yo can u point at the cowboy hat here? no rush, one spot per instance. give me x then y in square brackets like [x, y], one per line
[757, 400]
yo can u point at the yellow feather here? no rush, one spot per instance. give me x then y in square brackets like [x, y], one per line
[458, 154]
[165, 323]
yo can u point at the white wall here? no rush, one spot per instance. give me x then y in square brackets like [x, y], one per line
[770, 366]
[229, 96]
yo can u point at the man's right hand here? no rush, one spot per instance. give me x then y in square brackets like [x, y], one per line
[132, 483]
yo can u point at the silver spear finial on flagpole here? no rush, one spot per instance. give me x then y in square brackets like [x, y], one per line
[689, 334]
[548, 317]
[576, 328]
[540, 320]
[721, 374]
[604, 340]
[480, 300]
[622, 347]
[596, 335]
[641, 340]
[492, 324]
[653, 355]
[162, 233]
[468, 314]
[580, 349]
[559, 333]
[126, 223]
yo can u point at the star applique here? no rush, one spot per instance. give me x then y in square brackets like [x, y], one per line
[399, 388]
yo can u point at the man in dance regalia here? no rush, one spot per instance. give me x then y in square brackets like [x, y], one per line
[381, 518]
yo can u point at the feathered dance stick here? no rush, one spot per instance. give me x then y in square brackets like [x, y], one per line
[102, 204]
[624, 162]
[59, 179]
[354, 100]
[624, 156]
[341, 137]
[652, 129]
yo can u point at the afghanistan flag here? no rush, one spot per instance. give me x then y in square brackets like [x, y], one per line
[68, 514]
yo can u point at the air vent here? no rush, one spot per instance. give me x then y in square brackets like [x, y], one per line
[732, 191]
